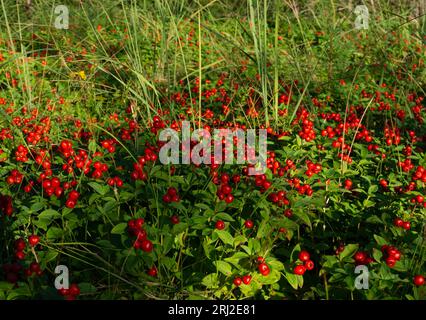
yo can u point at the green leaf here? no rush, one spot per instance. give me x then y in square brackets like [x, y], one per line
[211, 281]
[101, 189]
[224, 216]
[380, 241]
[377, 255]
[49, 215]
[54, 233]
[349, 251]
[223, 267]
[303, 216]
[225, 236]
[292, 279]
[119, 228]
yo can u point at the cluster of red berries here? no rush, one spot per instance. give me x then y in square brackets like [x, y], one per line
[392, 136]
[308, 264]
[115, 181]
[420, 174]
[6, 206]
[157, 124]
[12, 270]
[100, 169]
[362, 258]
[135, 228]
[245, 279]
[20, 246]
[279, 198]
[15, 177]
[406, 165]
[391, 255]
[272, 163]
[224, 191]
[71, 293]
[419, 199]
[72, 199]
[328, 132]
[65, 147]
[138, 173]
[262, 182]
[289, 166]
[263, 267]
[50, 187]
[301, 188]
[171, 195]
[34, 268]
[313, 168]
[109, 144]
[307, 133]
[21, 154]
[398, 222]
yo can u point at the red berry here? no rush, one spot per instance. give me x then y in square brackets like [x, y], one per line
[264, 269]
[304, 255]
[20, 244]
[360, 257]
[247, 279]
[390, 262]
[419, 280]
[174, 219]
[406, 225]
[299, 270]
[237, 281]
[220, 225]
[309, 265]
[146, 245]
[152, 271]
[398, 222]
[74, 290]
[20, 255]
[33, 240]
[249, 224]
[34, 267]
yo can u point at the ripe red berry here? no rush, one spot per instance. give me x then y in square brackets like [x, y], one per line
[34, 267]
[20, 244]
[249, 224]
[174, 219]
[390, 261]
[406, 225]
[146, 245]
[309, 265]
[304, 255]
[299, 270]
[152, 271]
[237, 281]
[20, 255]
[74, 290]
[348, 184]
[260, 259]
[360, 257]
[247, 279]
[33, 240]
[264, 269]
[220, 225]
[419, 280]
[419, 198]
[398, 222]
